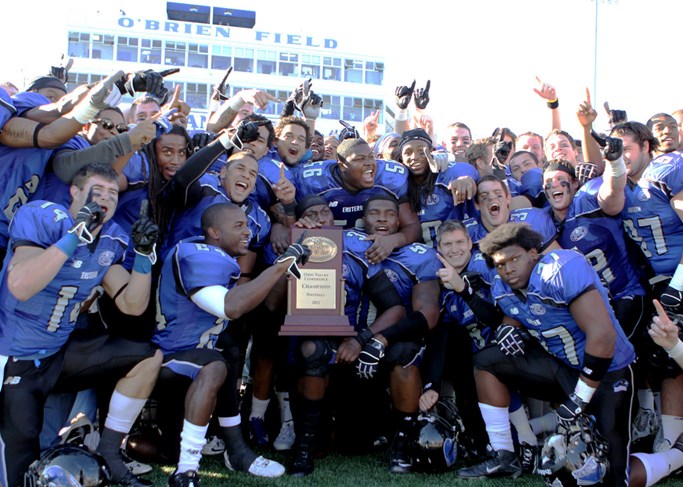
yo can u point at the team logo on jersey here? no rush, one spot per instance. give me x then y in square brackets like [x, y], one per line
[620, 386]
[537, 309]
[345, 270]
[514, 311]
[644, 194]
[578, 233]
[77, 264]
[333, 204]
[433, 199]
[393, 277]
[106, 258]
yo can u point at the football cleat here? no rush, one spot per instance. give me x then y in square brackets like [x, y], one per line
[214, 446]
[503, 464]
[260, 467]
[285, 439]
[257, 431]
[528, 455]
[185, 479]
[644, 425]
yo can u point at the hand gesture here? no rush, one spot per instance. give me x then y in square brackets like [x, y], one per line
[221, 90]
[348, 132]
[663, 331]
[380, 249]
[145, 233]
[296, 253]
[545, 90]
[586, 113]
[102, 95]
[464, 188]
[450, 278]
[512, 340]
[613, 149]
[258, 98]
[371, 123]
[310, 104]
[202, 139]
[403, 95]
[438, 161]
[421, 96]
[175, 103]
[614, 116]
[61, 72]
[89, 217]
[143, 132]
[428, 399]
[672, 301]
[284, 189]
[348, 351]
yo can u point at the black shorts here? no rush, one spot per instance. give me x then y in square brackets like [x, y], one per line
[188, 363]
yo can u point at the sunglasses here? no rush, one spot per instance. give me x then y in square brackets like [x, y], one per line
[108, 125]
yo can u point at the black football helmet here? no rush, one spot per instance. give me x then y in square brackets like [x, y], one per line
[68, 466]
[577, 456]
[435, 442]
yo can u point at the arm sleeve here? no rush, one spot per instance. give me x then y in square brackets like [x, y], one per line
[66, 163]
[212, 300]
[185, 182]
[435, 358]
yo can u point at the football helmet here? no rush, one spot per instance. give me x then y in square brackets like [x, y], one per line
[435, 442]
[576, 456]
[68, 466]
[585, 171]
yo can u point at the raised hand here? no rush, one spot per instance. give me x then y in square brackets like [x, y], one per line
[145, 233]
[284, 189]
[371, 123]
[296, 253]
[220, 91]
[89, 217]
[403, 95]
[545, 90]
[586, 114]
[450, 277]
[663, 331]
[421, 96]
[464, 188]
[614, 116]
[61, 72]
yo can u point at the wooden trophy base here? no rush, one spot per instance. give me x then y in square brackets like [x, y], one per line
[312, 325]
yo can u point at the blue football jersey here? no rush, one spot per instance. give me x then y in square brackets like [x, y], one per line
[600, 238]
[27, 100]
[649, 218]
[41, 325]
[410, 265]
[455, 311]
[439, 206]
[323, 178]
[269, 174]
[556, 280]
[22, 173]
[356, 271]
[539, 220]
[7, 109]
[181, 324]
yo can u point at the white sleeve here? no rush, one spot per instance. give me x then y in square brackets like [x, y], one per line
[212, 300]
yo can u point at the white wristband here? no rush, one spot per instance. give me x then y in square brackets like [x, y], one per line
[677, 280]
[84, 112]
[214, 105]
[226, 139]
[583, 391]
[236, 103]
[615, 169]
[676, 352]
[402, 115]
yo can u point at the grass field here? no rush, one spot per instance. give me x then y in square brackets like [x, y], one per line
[351, 471]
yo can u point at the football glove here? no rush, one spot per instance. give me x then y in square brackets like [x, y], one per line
[404, 94]
[368, 359]
[88, 219]
[512, 340]
[421, 96]
[145, 234]
[569, 411]
[672, 301]
[296, 253]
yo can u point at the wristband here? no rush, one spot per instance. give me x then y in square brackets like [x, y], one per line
[364, 336]
[583, 391]
[35, 135]
[142, 264]
[214, 105]
[554, 104]
[226, 140]
[401, 115]
[676, 352]
[290, 208]
[236, 103]
[615, 169]
[677, 279]
[595, 368]
[68, 244]
[84, 112]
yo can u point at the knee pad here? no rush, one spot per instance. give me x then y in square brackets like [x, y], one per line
[315, 357]
[404, 354]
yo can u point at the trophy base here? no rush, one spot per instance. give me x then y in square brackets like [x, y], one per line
[317, 325]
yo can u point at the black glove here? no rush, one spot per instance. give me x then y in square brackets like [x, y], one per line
[202, 139]
[288, 108]
[246, 132]
[512, 340]
[88, 219]
[569, 411]
[141, 81]
[220, 92]
[502, 150]
[403, 95]
[615, 116]
[613, 149]
[348, 132]
[421, 96]
[474, 281]
[61, 72]
[368, 359]
[672, 301]
[296, 253]
[145, 233]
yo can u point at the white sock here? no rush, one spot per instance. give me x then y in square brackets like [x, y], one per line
[285, 409]
[544, 424]
[646, 399]
[497, 422]
[229, 421]
[672, 426]
[123, 411]
[660, 465]
[520, 421]
[258, 407]
[192, 439]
